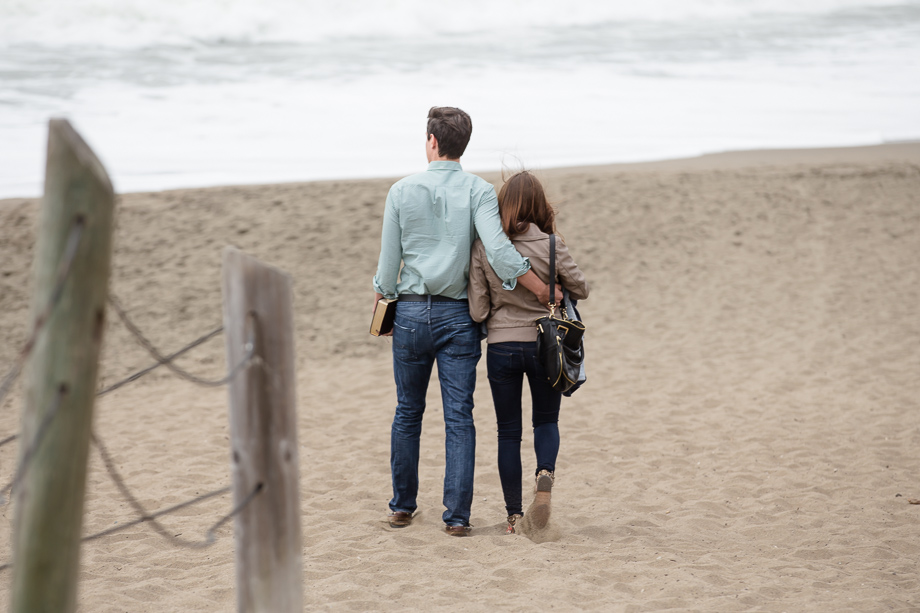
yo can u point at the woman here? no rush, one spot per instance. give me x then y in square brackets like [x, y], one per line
[528, 220]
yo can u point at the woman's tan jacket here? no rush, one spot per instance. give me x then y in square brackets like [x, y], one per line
[510, 314]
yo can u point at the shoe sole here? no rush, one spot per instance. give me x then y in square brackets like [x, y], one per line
[541, 509]
[541, 502]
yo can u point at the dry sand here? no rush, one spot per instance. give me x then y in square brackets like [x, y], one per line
[747, 440]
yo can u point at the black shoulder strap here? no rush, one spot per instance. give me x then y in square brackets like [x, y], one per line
[552, 268]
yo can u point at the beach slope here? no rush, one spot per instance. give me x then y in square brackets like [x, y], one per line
[747, 438]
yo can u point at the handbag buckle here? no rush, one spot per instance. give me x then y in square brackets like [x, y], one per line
[562, 311]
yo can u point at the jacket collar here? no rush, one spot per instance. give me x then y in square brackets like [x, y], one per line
[444, 165]
[533, 233]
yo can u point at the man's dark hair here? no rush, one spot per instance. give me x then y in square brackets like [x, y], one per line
[452, 127]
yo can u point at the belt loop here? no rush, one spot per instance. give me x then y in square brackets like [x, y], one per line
[429, 309]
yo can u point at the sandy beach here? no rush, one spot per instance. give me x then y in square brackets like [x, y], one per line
[747, 440]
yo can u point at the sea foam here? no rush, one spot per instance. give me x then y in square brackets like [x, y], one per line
[176, 94]
[139, 23]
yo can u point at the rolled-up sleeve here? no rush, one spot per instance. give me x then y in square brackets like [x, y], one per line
[478, 292]
[507, 263]
[390, 250]
[572, 277]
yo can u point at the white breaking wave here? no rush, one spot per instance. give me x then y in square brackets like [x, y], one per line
[141, 23]
[178, 93]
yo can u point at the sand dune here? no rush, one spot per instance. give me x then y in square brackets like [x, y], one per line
[747, 439]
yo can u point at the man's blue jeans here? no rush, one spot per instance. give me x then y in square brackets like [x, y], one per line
[425, 332]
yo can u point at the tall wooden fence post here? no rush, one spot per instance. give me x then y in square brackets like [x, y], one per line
[263, 435]
[60, 376]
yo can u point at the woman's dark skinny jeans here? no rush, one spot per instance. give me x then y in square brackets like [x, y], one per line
[507, 364]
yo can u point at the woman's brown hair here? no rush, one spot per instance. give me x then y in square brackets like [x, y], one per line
[521, 201]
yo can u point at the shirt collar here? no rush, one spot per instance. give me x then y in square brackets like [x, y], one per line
[532, 233]
[444, 165]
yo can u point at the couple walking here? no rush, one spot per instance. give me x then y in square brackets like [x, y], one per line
[445, 254]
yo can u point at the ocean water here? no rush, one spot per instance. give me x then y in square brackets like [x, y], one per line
[176, 94]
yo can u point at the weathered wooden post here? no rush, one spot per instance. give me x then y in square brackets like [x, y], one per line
[263, 435]
[60, 376]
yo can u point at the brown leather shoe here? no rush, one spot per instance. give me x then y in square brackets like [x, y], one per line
[457, 530]
[399, 519]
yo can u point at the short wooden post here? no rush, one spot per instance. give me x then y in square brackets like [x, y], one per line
[60, 375]
[263, 435]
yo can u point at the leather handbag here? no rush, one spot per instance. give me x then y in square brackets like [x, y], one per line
[560, 340]
[571, 310]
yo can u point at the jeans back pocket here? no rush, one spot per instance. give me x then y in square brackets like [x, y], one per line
[463, 341]
[404, 342]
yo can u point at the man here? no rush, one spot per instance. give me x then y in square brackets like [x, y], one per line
[430, 222]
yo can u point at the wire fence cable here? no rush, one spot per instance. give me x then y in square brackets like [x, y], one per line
[210, 538]
[144, 371]
[167, 360]
[63, 272]
[145, 516]
[170, 357]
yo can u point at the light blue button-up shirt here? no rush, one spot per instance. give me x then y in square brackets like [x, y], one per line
[429, 224]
